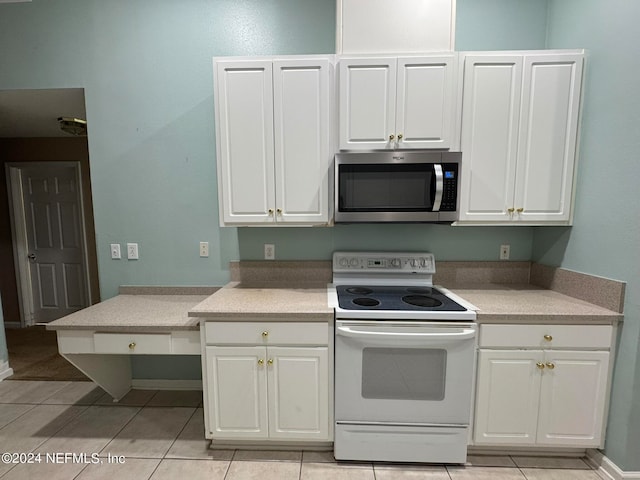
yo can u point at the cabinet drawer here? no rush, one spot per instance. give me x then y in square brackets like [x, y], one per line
[132, 343]
[267, 333]
[546, 336]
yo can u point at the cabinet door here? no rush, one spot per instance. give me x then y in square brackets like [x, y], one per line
[490, 114]
[508, 388]
[298, 393]
[237, 392]
[425, 100]
[301, 90]
[244, 123]
[572, 398]
[367, 103]
[547, 139]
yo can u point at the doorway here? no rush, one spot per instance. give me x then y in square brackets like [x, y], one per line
[32, 146]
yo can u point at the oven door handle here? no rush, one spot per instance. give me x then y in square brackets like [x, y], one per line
[464, 334]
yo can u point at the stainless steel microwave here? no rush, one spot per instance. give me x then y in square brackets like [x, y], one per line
[397, 186]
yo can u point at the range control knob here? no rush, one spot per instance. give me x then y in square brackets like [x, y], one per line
[394, 263]
[343, 262]
[354, 262]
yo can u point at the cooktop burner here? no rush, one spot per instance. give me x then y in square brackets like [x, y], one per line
[354, 297]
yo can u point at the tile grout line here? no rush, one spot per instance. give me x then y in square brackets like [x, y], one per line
[178, 435]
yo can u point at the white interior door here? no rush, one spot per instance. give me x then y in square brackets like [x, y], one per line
[50, 204]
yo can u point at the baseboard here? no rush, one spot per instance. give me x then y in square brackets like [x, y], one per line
[5, 371]
[160, 384]
[607, 468]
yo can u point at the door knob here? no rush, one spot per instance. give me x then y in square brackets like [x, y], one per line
[540, 365]
[32, 257]
[551, 366]
[391, 137]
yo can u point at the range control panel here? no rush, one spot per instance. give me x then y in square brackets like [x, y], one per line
[387, 262]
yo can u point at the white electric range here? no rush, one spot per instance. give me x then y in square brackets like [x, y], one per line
[404, 360]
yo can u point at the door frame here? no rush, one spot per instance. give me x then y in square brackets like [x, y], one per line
[19, 235]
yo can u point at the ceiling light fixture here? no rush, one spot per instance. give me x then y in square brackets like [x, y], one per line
[73, 126]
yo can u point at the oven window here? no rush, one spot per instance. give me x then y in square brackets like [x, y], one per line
[404, 373]
[396, 187]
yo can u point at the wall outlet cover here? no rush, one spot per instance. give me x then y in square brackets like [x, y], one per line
[269, 251]
[132, 251]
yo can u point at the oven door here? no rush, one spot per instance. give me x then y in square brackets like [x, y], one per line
[404, 373]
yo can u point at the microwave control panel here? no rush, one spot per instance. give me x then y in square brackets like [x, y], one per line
[450, 187]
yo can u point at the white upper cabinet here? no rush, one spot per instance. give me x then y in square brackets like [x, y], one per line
[397, 102]
[380, 26]
[244, 123]
[302, 149]
[273, 140]
[520, 117]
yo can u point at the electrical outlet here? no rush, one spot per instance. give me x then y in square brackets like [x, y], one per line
[115, 251]
[132, 251]
[269, 251]
[204, 249]
[504, 252]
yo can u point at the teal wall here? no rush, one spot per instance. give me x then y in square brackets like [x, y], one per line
[501, 24]
[606, 233]
[146, 70]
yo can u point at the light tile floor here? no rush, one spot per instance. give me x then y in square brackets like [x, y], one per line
[159, 435]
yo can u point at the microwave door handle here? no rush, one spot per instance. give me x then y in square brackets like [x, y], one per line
[439, 187]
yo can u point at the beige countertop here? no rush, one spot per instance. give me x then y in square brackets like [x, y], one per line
[501, 303]
[275, 302]
[496, 303]
[134, 313]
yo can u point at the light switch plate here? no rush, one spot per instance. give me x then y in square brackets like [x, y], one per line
[115, 251]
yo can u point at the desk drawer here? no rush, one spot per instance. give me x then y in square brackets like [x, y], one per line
[132, 343]
[267, 333]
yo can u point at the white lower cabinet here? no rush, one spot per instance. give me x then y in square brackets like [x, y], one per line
[541, 397]
[267, 392]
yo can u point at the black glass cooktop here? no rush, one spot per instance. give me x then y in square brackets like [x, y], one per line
[360, 297]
